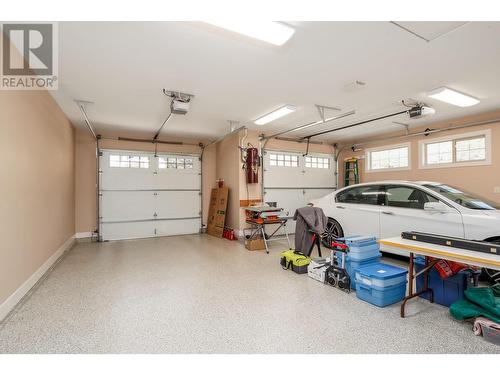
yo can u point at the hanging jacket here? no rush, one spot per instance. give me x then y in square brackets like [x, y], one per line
[310, 220]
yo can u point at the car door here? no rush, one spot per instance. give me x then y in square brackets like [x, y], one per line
[358, 210]
[403, 210]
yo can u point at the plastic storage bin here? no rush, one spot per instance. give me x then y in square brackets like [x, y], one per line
[361, 248]
[381, 296]
[446, 291]
[380, 275]
[352, 265]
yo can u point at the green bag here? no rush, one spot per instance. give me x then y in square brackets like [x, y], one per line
[294, 260]
[479, 302]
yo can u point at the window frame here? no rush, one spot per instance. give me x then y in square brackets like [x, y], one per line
[324, 160]
[169, 160]
[140, 162]
[486, 133]
[369, 151]
[284, 154]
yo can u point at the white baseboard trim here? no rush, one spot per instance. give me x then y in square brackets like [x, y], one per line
[83, 235]
[11, 302]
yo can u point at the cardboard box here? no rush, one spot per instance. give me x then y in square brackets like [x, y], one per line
[318, 273]
[217, 211]
[255, 244]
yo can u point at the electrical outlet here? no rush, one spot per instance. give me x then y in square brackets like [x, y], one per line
[496, 189]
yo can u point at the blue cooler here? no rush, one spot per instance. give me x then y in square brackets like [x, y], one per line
[381, 284]
[445, 291]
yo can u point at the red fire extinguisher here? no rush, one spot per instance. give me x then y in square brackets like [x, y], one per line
[252, 165]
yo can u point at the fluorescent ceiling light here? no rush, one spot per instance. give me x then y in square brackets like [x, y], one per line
[269, 31]
[452, 97]
[280, 112]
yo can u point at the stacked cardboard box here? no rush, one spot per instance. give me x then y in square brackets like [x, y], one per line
[217, 211]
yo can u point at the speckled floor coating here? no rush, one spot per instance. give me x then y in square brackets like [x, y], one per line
[199, 294]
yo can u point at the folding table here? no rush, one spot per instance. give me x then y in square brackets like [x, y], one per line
[473, 258]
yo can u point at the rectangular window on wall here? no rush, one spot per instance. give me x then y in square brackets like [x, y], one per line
[460, 150]
[283, 160]
[390, 158]
[317, 162]
[439, 152]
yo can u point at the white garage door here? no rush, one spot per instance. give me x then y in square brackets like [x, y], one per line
[292, 180]
[143, 195]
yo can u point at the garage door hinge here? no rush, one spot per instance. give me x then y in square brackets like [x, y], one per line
[100, 194]
[100, 171]
[199, 193]
[155, 215]
[100, 153]
[155, 230]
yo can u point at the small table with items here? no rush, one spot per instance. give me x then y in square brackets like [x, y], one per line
[260, 216]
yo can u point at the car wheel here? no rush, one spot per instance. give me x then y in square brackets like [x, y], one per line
[493, 276]
[332, 232]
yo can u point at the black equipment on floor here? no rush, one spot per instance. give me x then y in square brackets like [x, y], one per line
[338, 277]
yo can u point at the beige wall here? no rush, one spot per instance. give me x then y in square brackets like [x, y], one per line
[85, 172]
[37, 185]
[226, 167]
[481, 180]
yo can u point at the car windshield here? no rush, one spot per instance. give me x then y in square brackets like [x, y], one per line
[463, 198]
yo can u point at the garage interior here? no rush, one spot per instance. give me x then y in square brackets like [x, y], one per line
[114, 237]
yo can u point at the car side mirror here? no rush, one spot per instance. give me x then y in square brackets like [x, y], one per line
[436, 207]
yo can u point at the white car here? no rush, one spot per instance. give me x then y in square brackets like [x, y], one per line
[385, 209]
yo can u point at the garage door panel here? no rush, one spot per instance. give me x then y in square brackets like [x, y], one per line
[120, 231]
[118, 178]
[288, 199]
[171, 204]
[318, 178]
[127, 205]
[139, 190]
[175, 227]
[177, 180]
[178, 172]
[310, 194]
[282, 176]
[313, 178]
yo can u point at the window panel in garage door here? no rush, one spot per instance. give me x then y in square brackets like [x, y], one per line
[140, 196]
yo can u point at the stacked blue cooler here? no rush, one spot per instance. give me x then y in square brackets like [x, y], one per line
[381, 284]
[363, 251]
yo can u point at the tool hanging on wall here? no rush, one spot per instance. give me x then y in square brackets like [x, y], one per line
[351, 172]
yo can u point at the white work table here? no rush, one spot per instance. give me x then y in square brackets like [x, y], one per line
[473, 258]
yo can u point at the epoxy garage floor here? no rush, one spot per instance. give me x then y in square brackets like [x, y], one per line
[199, 294]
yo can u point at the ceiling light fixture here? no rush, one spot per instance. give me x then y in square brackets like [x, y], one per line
[268, 31]
[454, 97]
[278, 113]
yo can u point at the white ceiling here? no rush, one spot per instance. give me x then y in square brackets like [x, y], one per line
[122, 68]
